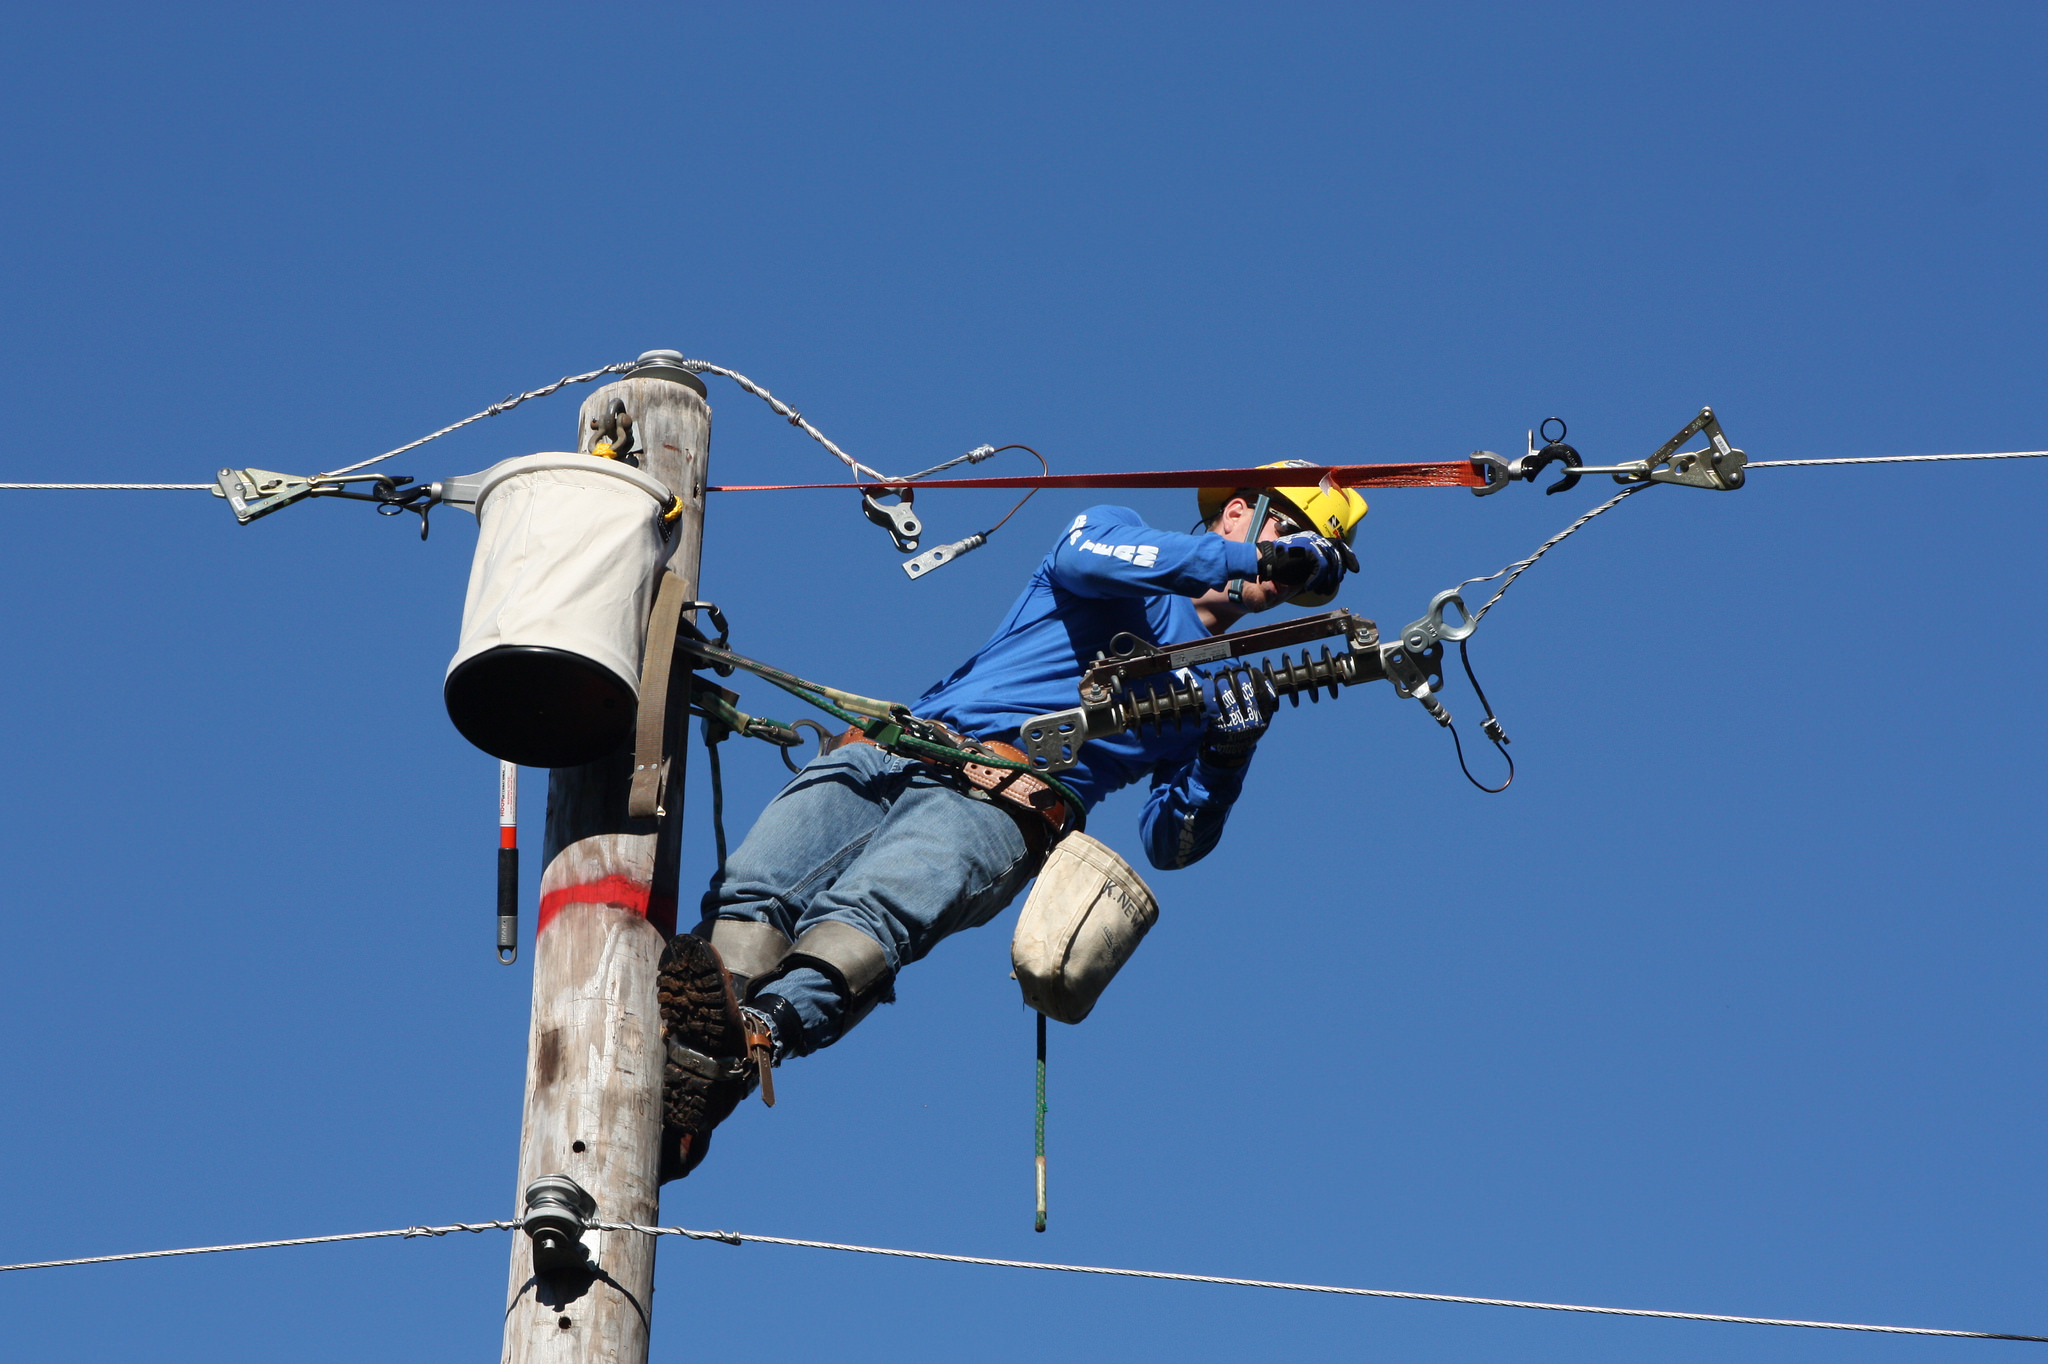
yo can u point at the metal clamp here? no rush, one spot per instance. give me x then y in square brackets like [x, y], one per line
[1052, 743]
[255, 493]
[898, 517]
[1417, 673]
[691, 629]
[1431, 628]
[558, 1211]
[1554, 451]
[825, 739]
[1499, 472]
[941, 554]
[258, 492]
[1717, 465]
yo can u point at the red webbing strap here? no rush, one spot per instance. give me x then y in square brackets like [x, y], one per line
[1457, 473]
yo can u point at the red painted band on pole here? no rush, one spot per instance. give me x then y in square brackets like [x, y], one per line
[621, 892]
[1461, 473]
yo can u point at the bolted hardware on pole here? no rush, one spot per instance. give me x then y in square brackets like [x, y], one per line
[557, 1209]
[607, 908]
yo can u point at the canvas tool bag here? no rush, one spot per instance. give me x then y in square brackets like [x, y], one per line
[547, 670]
[1085, 916]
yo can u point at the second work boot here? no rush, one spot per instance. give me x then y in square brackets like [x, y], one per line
[710, 1065]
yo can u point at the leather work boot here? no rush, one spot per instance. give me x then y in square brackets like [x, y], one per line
[713, 1057]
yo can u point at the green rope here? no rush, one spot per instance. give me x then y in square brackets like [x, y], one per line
[1039, 1223]
[880, 721]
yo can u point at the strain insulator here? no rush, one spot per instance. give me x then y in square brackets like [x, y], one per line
[1177, 702]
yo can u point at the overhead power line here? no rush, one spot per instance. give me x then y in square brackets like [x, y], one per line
[1889, 459]
[1425, 475]
[408, 1232]
[734, 1238]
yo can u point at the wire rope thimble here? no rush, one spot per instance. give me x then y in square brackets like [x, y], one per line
[558, 1212]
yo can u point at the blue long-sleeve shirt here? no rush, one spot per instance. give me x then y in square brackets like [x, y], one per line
[1110, 573]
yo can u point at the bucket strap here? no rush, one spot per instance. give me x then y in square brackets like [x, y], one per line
[650, 736]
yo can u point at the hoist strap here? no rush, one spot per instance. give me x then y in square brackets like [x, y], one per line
[1456, 473]
[650, 737]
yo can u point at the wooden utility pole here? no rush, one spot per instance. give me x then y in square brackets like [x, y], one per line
[607, 907]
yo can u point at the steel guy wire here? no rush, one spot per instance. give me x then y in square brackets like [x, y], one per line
[783, 409]
[734, 1238]
[1888, 459]
[1521, 566]
[973, 456]
[493, 410]
[407, 1232]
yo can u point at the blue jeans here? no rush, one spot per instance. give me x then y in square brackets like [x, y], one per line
[888, 846]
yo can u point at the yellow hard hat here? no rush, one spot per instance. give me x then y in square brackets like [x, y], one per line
[1333, 513]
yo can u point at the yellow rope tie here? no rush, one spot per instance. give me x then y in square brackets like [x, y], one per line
[603, 450]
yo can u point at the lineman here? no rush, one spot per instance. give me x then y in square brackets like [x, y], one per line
[867, 860]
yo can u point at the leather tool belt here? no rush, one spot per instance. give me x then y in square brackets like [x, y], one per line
[1039, 813]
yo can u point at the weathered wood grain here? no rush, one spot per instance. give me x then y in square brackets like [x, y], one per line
[608, 896]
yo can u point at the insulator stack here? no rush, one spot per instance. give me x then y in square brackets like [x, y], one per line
[1310, 675]
[1178, 703]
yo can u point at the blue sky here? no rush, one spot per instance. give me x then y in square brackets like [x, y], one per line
[1731, 1004]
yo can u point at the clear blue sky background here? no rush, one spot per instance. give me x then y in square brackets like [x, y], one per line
[1731, 1004]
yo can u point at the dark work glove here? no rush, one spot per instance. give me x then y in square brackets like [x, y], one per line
[1240, 707]
[1307, 561]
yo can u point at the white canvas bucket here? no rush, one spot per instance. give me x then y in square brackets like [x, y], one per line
[546, 673]
[1085, 916]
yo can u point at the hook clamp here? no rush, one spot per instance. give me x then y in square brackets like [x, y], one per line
[899, 518]
[255, 493]
[1500, 472]
[1414, 660]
